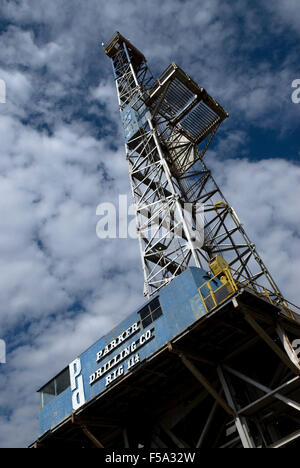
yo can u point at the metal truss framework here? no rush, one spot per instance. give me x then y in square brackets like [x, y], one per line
[168, 126]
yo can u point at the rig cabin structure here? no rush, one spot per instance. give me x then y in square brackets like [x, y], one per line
[211, 358]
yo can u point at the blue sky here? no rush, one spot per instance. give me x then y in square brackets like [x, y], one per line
[62, 153]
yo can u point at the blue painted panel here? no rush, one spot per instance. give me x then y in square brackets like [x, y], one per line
[181, 306]
[133, 120]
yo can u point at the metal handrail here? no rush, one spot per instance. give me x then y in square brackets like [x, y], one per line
[266, 292]
[230, 285]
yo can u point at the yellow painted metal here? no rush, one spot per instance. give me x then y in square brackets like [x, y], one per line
[268, 295]
[222, 271]
[228, 284]
[218, 265]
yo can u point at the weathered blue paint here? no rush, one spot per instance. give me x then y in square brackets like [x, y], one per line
[133, 120]
[181, 306]
[55, 411]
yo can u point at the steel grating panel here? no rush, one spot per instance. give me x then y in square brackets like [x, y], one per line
[178, 96]
[221, 294]
[199, 121]
[209, 303]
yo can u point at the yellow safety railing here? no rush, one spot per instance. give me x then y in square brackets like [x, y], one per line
[217, 296]
[213, 298]
[266, 293]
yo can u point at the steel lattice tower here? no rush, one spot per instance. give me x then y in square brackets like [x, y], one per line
[168, 126]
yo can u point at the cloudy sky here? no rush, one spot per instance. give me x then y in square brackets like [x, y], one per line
[62, 153]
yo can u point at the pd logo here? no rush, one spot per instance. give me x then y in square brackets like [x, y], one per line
[76, 380]
[2, 352]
